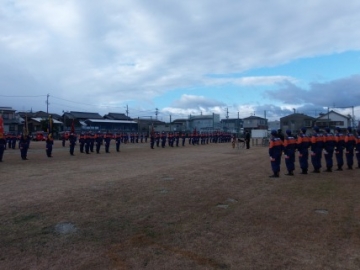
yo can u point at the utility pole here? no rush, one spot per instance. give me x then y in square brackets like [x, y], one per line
[328, 117]
[170, 123]
[47, 103]
[156, 113]
[238, 124]
[127, 110]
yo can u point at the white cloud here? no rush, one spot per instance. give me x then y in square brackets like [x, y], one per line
[139, 50]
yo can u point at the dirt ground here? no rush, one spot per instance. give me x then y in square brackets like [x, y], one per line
[192, 207]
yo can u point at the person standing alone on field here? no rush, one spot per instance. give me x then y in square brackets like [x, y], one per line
[247, 139]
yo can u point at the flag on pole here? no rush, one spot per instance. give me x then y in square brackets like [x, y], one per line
[152, 130]
[50, 127]
[26, 127]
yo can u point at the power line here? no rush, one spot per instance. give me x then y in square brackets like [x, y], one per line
[22, 96]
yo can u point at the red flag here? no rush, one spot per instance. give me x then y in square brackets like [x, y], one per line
[1, 127]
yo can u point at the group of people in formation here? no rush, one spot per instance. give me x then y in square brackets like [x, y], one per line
[316, 145]
[92, 142]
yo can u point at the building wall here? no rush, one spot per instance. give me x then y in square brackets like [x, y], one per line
[336, 120]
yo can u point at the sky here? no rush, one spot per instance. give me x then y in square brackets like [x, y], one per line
[181, 58]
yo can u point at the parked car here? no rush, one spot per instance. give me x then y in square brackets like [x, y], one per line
[40, 136]
[64, 134]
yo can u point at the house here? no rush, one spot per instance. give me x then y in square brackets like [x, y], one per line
[78, 118]
[295, 122]
[233, 125]
[117, 116]
[204, 122]
[12, 122]
[332, 119]
[255, 122]
[37, 121]
[110, 125]
[274, 125]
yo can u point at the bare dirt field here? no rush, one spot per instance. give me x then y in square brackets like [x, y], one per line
[193, 207]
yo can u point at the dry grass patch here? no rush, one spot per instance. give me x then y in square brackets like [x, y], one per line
[198, 207]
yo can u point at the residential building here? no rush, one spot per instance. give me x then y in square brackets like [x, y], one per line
[117, 116]
[11, 120]
[255, 122]
[233, 125]
[204, 122]
[274, 125]
[295, 122]
[333, 119]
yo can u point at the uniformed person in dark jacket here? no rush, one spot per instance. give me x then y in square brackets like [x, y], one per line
[117, 142]
[163, 139]
[357, 148]
[275, 152]
[302, 145]
[92, 141]
[289, 152]
[24, 146]
[82, 142]
[72, 142]
[317, 145]
[87, 143]
[99, 141]
[2, 147]
[152, 139]
[350, 142]
[107, 142]
[247, 139]
[49, 145]
[339, 148]
[329, 146]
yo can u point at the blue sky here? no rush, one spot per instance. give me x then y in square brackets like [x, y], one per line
[182, 57]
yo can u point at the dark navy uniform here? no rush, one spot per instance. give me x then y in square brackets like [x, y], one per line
[152, 139]
[49, 145]
[163, 139]
[317, 145]
[275, 151]
[289, 152]
[339, 148]
[350, 142]
[303, 143]
[72, 142]
[107, 142]
[117, 142]
[2, 147]
[99, 141]
[329, 146]
[92, 141]
[24, 146]
[87, 143]
[357, 147]
[82, 142]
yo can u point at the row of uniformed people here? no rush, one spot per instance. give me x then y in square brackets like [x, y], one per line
[194, 138]
[325, 143]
